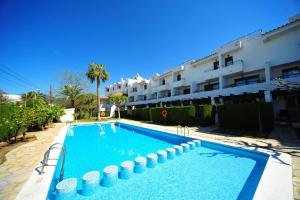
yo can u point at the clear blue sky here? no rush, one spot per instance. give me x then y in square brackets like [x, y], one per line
[38, 39]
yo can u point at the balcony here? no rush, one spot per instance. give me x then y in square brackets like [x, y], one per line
[163, 87]
[230, 46]
[211, 74]
[234, 68]
[262, 80]
[180, 83]
[241, 89]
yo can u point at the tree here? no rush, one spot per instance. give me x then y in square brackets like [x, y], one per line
[87, 103]
[97, 72]
[118, 101]
[30, 98]
[72, 84]
[3, 98]
[287, 85]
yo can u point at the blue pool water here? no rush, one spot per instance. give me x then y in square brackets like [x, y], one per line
[211, 171]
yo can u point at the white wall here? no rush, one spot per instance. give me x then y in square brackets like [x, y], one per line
[68, 116]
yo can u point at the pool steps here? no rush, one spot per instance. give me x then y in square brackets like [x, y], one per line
[126, 169]
[67, 188]
[151, 160]
[140, 165]
[162, 156]
[90, 183]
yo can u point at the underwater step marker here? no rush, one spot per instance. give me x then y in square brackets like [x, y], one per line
[90, 183]
[192, 145]
[170, 153]
[178, 150]
[66, 189]
[185, 147]
[162, 156]
[151, 160]
[140, 164]
[197, 142]
[110, 175]
[126, 169]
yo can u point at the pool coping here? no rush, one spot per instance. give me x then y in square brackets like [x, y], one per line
[275, 182]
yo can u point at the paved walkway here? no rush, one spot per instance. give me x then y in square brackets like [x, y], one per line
[21, 162]
[282, 139]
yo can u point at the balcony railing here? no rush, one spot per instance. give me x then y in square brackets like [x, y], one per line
[284, 76]
[233, 63]
[151, 98]
[262, 80]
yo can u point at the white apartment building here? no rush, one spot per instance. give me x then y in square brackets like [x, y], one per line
[242, 70]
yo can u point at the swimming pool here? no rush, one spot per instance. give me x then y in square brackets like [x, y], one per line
[211, 171]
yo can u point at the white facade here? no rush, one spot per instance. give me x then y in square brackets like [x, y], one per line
[13, 97]
[68, 116]
[246, 65]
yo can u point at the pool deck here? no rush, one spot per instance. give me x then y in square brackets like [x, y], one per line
[21, 162]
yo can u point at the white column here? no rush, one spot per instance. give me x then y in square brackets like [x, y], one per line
[212, 100]
[267, 72]
[221, 79]
[268, 96]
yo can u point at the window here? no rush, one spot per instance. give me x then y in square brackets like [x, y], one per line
[178, 77]
[163, 82]
[119, 86]
[210, 87]
[126, 85]
[216, 65]
[107, 89]
[145, 98]
[113, 88]
[169, 94]
[134, 89]
[131, 99]
[246, 80]
[187, 91]
[290, 73]
[145, 87]
[229, 61]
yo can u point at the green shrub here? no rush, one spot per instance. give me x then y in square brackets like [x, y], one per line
[206, 114]
[176, 115]
[246, 116]
[141, 114]
[17, 119]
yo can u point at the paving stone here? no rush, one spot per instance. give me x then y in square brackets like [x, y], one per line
[20, 163]
[297, 193]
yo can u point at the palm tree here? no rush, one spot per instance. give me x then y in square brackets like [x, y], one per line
[97, 72]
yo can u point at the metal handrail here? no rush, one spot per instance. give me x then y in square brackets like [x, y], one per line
[179, 128]
[188, 130]
[46, 158]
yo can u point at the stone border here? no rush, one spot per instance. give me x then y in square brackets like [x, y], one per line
[275, 183]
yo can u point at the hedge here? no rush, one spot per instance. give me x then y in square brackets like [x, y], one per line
[141, 114]
[246, 116]
[176, 115]
[206, 114]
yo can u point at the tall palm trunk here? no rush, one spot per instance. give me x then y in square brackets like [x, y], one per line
[98, 99]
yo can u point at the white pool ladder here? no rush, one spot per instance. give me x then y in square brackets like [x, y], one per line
[46, 158]
[185, 131]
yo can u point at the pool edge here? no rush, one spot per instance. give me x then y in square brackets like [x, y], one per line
[274, 177]
[37, 186]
